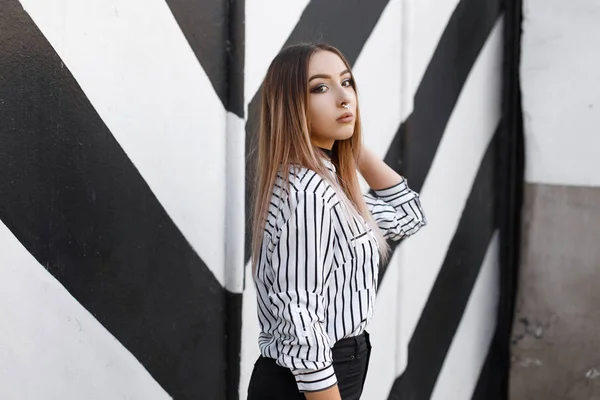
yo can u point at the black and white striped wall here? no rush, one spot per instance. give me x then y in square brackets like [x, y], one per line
[126, 156]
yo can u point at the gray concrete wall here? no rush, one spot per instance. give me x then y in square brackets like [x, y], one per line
[556, 333]
[556, 338]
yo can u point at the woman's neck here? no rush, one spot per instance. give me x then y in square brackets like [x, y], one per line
[327, 152]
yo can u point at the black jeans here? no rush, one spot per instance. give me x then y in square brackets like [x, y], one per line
[351, 356]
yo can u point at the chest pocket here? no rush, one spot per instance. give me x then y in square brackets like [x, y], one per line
[357, 257]
[365, 261]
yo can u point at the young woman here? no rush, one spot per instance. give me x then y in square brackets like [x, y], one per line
[317, 240]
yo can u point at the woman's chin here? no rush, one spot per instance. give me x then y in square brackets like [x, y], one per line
[344, 132]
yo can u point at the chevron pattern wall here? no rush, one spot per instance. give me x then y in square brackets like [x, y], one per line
[126, 159]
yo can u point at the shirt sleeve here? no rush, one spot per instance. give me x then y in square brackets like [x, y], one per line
[397, 211]
[301, 262]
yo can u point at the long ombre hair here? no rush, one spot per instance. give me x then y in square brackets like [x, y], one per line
[284, 140]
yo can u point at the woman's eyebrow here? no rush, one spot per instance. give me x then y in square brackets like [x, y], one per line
[324, 76]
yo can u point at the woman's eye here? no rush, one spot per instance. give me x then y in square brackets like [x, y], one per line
[320, 89]
[347, 82]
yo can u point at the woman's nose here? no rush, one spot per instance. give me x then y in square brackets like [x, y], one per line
[344, 100]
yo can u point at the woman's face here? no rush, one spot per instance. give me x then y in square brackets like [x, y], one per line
[332, 99]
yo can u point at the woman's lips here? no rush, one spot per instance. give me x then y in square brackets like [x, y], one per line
[345, 118]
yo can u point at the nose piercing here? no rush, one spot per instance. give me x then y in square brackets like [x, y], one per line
[345, 105]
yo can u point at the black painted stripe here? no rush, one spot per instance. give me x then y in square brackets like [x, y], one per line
[465, 35]
[207, 28]
[235, 53]
[71, 196]
[445, 306]
[233, 327]
[493, 383]
[346, 25]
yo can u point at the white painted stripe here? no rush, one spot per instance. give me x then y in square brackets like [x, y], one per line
[235, 204]
[468, 351]
[137, 69]
[408, 92]
[560, 75]
[53, 348]
[378, 72]
[268, 25]
[384, 335]
[448, 184]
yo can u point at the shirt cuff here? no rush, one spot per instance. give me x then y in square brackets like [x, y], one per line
[398, 188]
[397, 195]
[313, 381]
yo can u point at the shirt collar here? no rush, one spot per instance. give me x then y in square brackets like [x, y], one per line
[329, 164]
[326, 158]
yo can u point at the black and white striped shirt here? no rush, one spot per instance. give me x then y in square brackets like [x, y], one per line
[316, 277]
